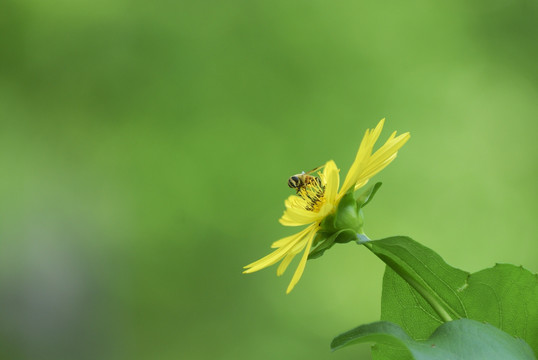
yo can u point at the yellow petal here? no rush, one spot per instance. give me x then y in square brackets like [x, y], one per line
[367, 165]
[266, 261]
[390, 147]
[293, 251]
[273, 257]
[363, 154]
[295, 216]
[361, 184]
[286, 244]
[354, 169]
[285, 263]
[382, 157]
[377, 131]
[332, 177]
[373, 169]
[300, 269]
[288, 239]
[299, 246]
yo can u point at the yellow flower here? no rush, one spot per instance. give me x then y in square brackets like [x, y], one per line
[317, 200]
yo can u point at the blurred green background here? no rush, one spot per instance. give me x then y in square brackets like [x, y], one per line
[145, 149]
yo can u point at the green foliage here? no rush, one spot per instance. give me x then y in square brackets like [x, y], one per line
[347, 213]
[421, 291]
[426, 271]
[325, 243]
[367, 196]
[460, 339]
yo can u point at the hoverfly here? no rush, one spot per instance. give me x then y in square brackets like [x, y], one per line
[298, 181]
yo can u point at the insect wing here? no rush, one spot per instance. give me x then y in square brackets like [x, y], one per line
[314, 170]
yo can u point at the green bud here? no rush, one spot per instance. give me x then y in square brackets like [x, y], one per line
[347, 215]
[345, 224]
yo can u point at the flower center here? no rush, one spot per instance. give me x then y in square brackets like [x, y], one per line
[313, 193]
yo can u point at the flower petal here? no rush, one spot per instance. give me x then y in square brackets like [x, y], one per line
[332, 178]
[377, 131]
[288, 239]
[285, 263]
[373, 169]
[267, 260]
[300, 269]
[276, 255]
[292, 253]
[286, 245]
[391, 146]
[366, 164]
[383, 156]
[296, 214]
[363, 154]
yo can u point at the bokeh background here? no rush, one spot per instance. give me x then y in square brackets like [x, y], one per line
[145, 149]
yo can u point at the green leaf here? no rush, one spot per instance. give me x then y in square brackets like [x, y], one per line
[426, 271]
[324, 245]
[381, 333]
[342, 236]
[458, 340]
[420, 291]
[367, 196]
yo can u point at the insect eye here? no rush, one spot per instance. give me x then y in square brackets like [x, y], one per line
[295, 179]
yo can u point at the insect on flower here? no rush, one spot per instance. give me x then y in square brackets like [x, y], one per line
[309, 188]
[298, 181]
[318, 198]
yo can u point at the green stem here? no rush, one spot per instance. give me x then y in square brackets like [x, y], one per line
[437, 304]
